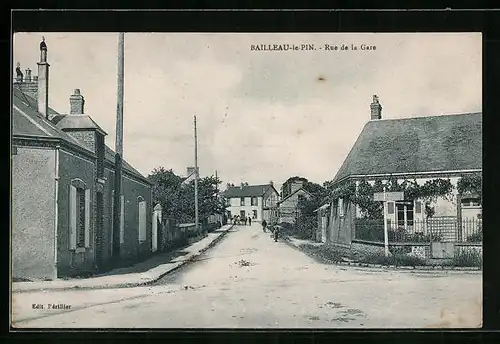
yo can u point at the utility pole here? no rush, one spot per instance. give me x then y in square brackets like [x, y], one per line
[196, 176]
[119, 151]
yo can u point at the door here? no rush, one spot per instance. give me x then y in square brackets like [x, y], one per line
[99, 229]
[242, 214]
[323, 229]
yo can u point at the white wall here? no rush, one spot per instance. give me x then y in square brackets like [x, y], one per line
[235, 208]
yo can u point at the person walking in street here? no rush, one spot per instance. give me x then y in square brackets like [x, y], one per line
[264, 225]
[245, 220]
[249, 221]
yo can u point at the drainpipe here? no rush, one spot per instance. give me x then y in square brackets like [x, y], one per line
[56, 203]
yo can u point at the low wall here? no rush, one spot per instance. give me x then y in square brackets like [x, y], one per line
[373, 247]
[415, 249]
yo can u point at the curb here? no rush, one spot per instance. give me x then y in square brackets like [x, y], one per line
[136, 284]
[392, 267]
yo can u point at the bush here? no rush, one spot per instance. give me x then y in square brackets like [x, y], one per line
[395, 259]
[324, 253]
[468, 259]
[476, 237]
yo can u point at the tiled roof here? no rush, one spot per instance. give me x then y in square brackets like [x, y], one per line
[76, 122]
[293, 193]
[246, 191]
[420, 144]
[27, 121]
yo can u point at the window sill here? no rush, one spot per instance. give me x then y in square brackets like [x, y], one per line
[80, 249]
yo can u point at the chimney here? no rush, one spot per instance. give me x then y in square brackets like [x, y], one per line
[376, 109]
[242, 185]
[28, 75]
[43, 81]
[271, 183]
[76, 103]
[295, 185]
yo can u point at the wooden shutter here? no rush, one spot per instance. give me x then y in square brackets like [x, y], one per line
[122, 219]
[142, 221]
[87, 217]
[72, 217]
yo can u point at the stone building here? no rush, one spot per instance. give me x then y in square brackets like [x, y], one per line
[62, 188]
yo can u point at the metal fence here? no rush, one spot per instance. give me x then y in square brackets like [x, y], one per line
[442, 229]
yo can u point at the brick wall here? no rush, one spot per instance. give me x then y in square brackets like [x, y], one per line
[86, 137]
[33, 213]
[72, 166]
[131, 249]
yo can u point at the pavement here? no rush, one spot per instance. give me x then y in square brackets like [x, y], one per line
[249, 281]
[143, 273]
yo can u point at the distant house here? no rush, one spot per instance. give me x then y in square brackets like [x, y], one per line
[62, 188]
[288, 206]
[417, 149]
[255, 201]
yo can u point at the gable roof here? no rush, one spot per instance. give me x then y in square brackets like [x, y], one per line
[247, 191]
[293, 193]
[420, 144]
[27, 121]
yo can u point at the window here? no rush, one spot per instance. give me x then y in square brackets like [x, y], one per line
[341, 207]
[254, 215]
[255, 201]
[122, 219]
[390, 208]
[470, 202]
[79, 217]
[142, 219]
[242, 201]
[404, 214]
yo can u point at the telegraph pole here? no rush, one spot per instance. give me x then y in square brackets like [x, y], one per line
[195, 176]
[119, 151]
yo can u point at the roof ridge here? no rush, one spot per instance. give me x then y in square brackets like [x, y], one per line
[426, 116]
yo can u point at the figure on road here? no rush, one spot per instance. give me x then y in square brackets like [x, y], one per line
[245, 220]
[264, 225]
[249, 221]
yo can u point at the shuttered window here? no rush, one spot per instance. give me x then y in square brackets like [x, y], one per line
[418, 207]
[79, 217]
[122, 219]
[72, 217]
[142, 220]
[390, 208]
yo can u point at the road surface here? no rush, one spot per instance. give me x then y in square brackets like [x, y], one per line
[249, 281]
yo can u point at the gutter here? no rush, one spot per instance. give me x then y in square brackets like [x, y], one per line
[353, 176]
[56, 204]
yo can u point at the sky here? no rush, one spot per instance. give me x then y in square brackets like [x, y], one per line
[261, 115]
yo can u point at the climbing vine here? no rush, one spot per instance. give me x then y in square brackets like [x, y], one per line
[363, 196]
[471, 183]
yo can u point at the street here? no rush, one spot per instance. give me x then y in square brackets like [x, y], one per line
[249, 281]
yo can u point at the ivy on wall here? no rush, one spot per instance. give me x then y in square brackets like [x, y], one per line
[471, 183]
[427, 192]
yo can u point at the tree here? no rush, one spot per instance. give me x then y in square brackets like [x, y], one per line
[177, 199]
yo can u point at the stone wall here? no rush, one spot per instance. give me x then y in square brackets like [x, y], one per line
[33, 213]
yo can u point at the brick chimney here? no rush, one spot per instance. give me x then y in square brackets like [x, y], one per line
[43, 81]
[26, 83]
[76, 103]
[376, 109]
[296, 185]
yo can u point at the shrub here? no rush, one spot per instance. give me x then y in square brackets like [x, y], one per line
[395, 259]
[476, 237]
[468, 258]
